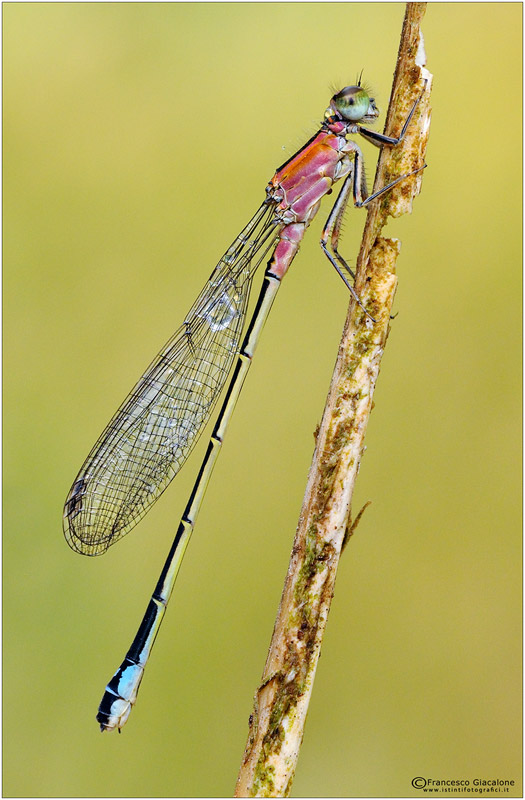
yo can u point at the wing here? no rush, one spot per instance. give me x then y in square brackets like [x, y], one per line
[154, 430]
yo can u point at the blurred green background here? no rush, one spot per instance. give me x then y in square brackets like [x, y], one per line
[138, 140]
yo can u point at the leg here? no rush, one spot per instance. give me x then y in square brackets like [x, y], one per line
[367, 200]
[332, 229]
[379, 138]
[355, 181]
[360, 190]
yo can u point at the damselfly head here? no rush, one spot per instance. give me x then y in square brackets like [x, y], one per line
[353, 104]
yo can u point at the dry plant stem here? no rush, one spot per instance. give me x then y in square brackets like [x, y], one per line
[281, 701]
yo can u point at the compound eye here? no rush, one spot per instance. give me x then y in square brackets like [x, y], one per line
[352, 103]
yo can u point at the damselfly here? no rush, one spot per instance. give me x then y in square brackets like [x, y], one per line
[156, 427]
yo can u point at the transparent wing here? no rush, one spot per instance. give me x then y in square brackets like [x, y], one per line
[154, 430]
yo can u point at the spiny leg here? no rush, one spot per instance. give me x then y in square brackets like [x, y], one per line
[354, 182]
[332, 230]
